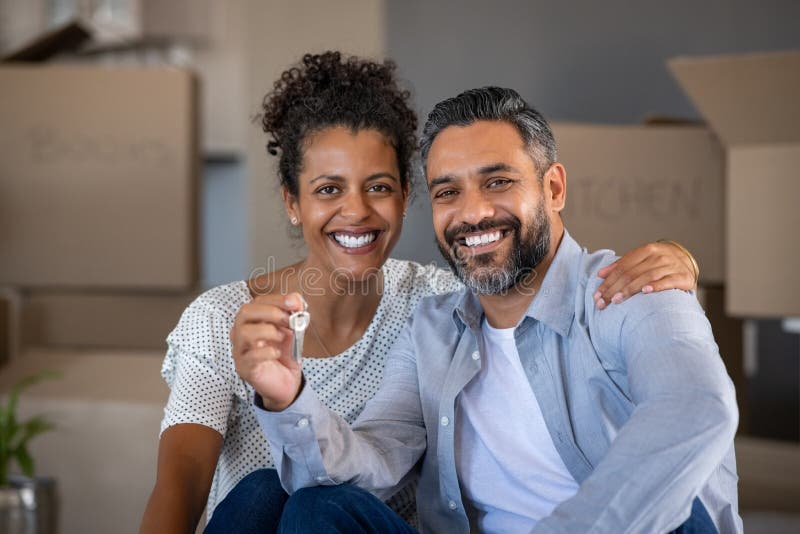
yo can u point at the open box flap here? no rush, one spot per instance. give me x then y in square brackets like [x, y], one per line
[746, 99]
[65, 38]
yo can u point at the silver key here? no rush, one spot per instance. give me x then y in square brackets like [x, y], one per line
[298, 322]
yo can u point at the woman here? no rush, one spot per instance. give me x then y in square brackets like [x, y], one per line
[345, 134]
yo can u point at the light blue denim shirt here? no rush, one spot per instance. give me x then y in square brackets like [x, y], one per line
[635, 397]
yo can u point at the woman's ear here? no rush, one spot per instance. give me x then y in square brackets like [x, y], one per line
[291, 205]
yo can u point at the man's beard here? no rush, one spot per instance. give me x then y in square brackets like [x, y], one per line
[527, 251]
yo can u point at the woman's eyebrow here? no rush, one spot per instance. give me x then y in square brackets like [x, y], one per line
[379, 175]
[332, 177]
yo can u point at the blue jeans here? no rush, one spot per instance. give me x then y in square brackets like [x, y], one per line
[255, 504]
[699, 522]
[259, 504]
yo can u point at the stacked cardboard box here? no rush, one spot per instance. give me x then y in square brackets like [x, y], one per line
[102, 452]
[98, 238]
[752, 103]
[768, 474]
[99, 180]
[121, 320]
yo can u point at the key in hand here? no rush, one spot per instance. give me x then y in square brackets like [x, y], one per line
[298, 322]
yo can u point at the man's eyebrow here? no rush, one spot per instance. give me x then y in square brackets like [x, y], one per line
[439, 180]
[486, 169]
[495, 167]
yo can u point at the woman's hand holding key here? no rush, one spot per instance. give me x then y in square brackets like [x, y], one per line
[262, 341]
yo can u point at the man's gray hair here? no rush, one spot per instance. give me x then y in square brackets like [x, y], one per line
[493, 104]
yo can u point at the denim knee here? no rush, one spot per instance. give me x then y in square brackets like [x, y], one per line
[255, 504]
[305, 500]
[339, 509]
[259, 482]
[330, 509]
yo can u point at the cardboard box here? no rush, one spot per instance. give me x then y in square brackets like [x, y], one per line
[106, 406]
[5, 330]
[110, 24]
[103, 320]
[752, 102]
[769, 474]
[627, 185]
[98, 177]
[66, 38]
[9, 324]
[179, 20]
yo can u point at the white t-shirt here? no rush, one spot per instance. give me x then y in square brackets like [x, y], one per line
[206, 390]
[507, 464]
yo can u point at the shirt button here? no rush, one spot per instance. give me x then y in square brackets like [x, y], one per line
[452, 505]
[445, 422]
[321, 479]
[302, 423]
[476, 355]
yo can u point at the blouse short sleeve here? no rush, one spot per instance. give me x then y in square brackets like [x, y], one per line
[198, 371]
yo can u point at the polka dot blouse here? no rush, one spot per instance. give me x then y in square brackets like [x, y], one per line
[206, 390]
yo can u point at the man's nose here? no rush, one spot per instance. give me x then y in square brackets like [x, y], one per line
[475, 206]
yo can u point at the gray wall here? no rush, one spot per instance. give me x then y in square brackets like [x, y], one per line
[223, 228]
[577, 60]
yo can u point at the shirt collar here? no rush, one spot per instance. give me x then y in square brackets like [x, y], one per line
[554, 305]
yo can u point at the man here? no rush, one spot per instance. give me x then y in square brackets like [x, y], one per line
[523, 406]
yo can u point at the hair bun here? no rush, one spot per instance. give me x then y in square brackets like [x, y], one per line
[326, 90]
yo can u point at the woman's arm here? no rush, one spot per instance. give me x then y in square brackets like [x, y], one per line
[187, 458]
[651, 267]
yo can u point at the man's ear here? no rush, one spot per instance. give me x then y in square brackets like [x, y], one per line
[291, 205]
[555, 186]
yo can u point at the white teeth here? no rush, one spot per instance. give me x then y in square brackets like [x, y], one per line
[351, 241]
[483, 239]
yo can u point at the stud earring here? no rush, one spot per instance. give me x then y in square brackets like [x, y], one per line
[294, 221]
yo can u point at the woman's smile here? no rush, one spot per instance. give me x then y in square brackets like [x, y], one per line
[356, 241]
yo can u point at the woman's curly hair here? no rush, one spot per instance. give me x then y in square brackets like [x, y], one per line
[324, 90]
